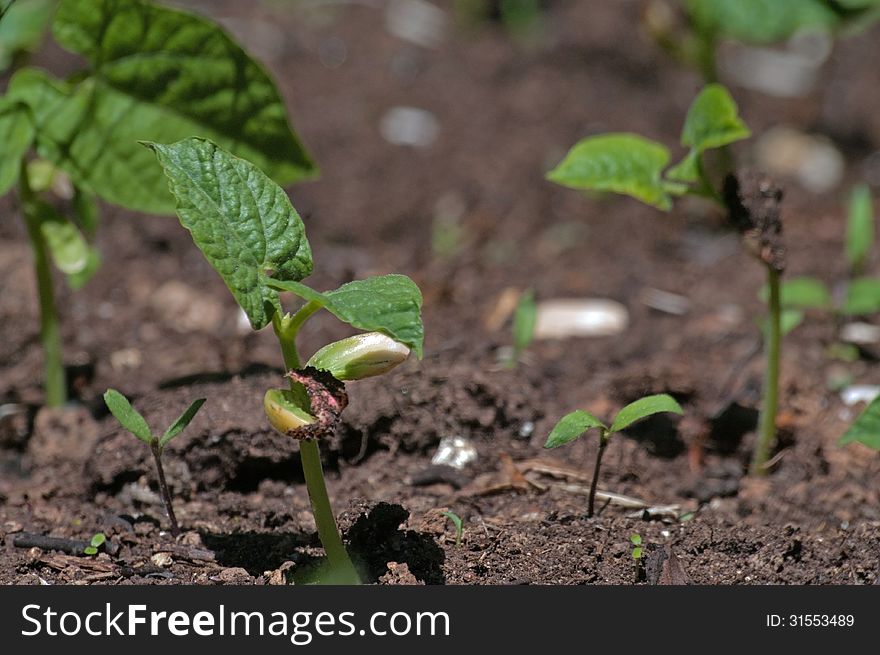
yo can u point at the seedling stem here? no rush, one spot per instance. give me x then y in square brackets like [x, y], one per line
[156, 449]
[50, 336]
[286, 329]
[767, 423]
[603, 443]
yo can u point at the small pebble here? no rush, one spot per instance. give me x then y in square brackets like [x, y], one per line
[409, 126]
[860, 333]
[456, 452]
[416, 21]
[162, 559]
[563, 318]
[859, 393]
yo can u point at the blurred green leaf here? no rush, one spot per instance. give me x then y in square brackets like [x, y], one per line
[570, 427]
[760, 21]
[524, 319]
[859, 227]
[22, 27]
[862, 296]
[789, 319]
[127, 415]
[643, 408]
[800, 293]
[619, 162]
[16, 136]
[866, 428]
[67, 246]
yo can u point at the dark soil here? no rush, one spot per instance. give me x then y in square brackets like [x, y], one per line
[159, 325]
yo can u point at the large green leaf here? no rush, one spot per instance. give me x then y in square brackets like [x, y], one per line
[160, 75]
[642, 408]
[712, 122]
[866, 428]
[859, 226]
[16, 135]
[570, 427]
[22, 27]
[240, 219]
[760, 21]
[618, 162]
[390, 304]
[127, 415]
[862, 296]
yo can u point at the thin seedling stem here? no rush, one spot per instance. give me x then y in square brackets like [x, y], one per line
[767, 422]
[163, 488]
[50, 333]
[603, 443]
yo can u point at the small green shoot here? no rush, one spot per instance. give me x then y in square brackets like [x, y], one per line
[219, 194]
[458, 524]
[859, 228]
[524, 320]
[577, 423]
[866, 428]
[132, 421]
[95, 543]
[637, 555]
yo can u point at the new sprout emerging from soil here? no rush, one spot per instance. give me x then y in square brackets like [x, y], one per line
[132, 421]
[86, 152]
[524, 319]
[95, 543]
[576, 424]
[249, 232]
[636, 541]
[458, 524]
[632, 165]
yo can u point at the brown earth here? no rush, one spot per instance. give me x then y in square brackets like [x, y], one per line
[158, 324]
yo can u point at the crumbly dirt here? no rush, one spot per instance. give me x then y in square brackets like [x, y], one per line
[158, 324]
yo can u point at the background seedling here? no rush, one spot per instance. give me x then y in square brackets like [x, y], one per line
[632, 165]
[144, 62]
[95, 543]
[636, 541]
[219, 194]
[458, 524]
[524, 320]
[866, 428]
[132, 421]
[579, 422]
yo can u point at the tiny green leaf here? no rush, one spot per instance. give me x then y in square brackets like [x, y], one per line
[98, 540]
[862, 296]
[619, 162]
[637, 553]
[182, 421]
[801, 293]
[760, 21]
[636, 540]
[570, 427]
[866, 428]
[390, 304]
[642, 408]
[859, 227]
[90, 550]
[241, 220]
[127, 415]
[524, 320]
[458, 524]
[712, 122]
[16, 136]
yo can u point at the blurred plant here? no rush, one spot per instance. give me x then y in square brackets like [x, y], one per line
[249, 232]
[132, 421]
[521, 18]
[152, 73]
[633, 165]
[866, 428]
[524, 319]
[458, 524]
[577, 423]
[637, 555]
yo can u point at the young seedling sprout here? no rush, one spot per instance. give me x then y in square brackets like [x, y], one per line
[249, 232]
[458, 524]
[579, 422]
[81, 144]
[132, 421]
[95, 543]
[524, 320]
[637, 555]
[638, 167]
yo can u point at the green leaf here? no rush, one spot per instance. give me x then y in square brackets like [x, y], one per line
[524, 320]
[67, 246]
[570, 427]
[241, 220]
[98, 540]
[801, 293]
[457, 523]
[642, 408]
[866, 429]
[636, 540]
[862, 296]
[182, 421]
[78, 280]
[390, 304]
[712, 122]
[90, 550]
[859, 227]
[16, 136]
[789, 319]
[760, 21]
[127, 415]
[22, 28]
[159, 75]
[622, 163]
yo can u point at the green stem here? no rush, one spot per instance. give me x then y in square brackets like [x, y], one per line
[50, 332]
[286, 329]
[156, 449]
[767, 421]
